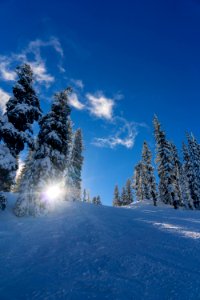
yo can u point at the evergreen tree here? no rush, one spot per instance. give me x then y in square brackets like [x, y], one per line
[129, 193]
[177, 173]
[116, 199]
[123, 197]
[148, 177]
[188, 175]
[164, 159]
[84, 195]
[88, 197]
[138, 184]
[194, 154]
[94, 200]
[191, 184]
[15, 124]
[98, 200]
[76, 164]
[49, 158]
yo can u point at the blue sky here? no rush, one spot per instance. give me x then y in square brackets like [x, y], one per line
[126, 60]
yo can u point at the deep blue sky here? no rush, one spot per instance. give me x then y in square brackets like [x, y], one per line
[143, 55]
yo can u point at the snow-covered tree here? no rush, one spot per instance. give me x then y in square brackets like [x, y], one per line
[98, 201]
[167, 185]
[116, 198]
[123, 196]
[138, 183]
[49, 158]
[76, 164]
[84, 195]
[177, 173]
[22, 109]
[88, 197]
[94, 200]
[194, 153]
[188, 175]
[147, 173]
[129, 192]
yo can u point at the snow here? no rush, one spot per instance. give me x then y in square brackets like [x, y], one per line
[84, 251]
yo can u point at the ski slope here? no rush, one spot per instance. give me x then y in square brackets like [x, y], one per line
[82, 251]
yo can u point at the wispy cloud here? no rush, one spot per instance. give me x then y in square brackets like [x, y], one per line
[78, 83]
[4, 97]
[124, 135]
[100, 106]
[5, 72]
[74, 101]
[40, 72]
[33, 50]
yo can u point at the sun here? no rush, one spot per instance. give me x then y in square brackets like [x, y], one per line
[53, 192]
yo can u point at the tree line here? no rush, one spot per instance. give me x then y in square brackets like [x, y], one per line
[178, 179]
[54, 156]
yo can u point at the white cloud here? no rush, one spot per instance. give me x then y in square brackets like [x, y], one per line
[34, 46]
[4, 97]
[42, 76]
[78, 83]
[124, 136]
[100, 106]
[74, 101]
[5, 72]
[40, 72]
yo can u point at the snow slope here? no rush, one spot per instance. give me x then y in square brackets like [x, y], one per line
[82, 251]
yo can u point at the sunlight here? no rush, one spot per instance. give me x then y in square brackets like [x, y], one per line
[54, 192]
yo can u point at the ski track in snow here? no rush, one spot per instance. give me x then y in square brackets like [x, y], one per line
[82, 251]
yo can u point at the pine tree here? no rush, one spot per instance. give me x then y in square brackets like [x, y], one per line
[188, 177]
[76, 164]
[164, 159]
[84, 195]
[94, 200]
[98, 200]
[15, 125]
[88, 197]
[129, 193]
[123, 197]
[138, 184]
[147, 173]
[194, 154]
[116, 199]
[177, 173]
[49, 159]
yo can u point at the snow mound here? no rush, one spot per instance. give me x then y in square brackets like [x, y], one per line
[83, 251]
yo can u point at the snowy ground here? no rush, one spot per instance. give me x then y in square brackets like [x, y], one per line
[86, 252]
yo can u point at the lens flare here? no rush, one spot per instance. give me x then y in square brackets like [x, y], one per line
[53, 192]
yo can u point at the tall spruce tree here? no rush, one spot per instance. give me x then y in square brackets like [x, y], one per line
[84, 195]
[194, 154]
[116, 198]
[138, 183]
[49, 158]
[129, 192]
[177, 174]
[167, 185]
[123, 197]
[98, 201]
[22, 109]
[148, 177]
[76, 165]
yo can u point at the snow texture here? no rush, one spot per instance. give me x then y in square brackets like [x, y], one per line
[84, 251]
